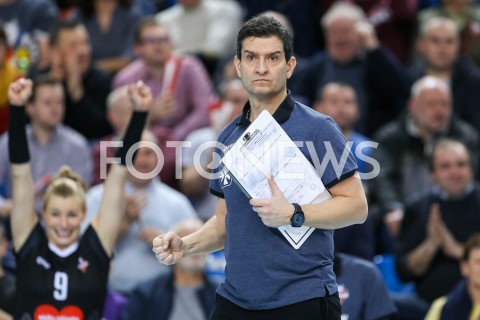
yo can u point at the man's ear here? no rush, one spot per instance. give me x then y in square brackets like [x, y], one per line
[291, 64]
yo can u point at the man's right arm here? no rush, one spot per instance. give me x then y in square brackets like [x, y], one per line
[211, 237]
[170, 248]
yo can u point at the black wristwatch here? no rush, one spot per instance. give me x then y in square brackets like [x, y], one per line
[298, 217]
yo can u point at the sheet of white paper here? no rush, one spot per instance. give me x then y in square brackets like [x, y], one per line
[264, 149]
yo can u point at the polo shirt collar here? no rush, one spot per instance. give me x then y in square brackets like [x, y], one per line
[280, 115]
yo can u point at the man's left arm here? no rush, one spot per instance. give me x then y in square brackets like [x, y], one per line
[347, 206]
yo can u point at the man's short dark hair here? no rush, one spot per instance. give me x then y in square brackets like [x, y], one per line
[443, 143]
[264, 27]
[43, 80]
[472, 243]
[62, 26]
[143, 24]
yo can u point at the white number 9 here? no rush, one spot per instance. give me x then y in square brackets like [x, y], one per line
[60, 283]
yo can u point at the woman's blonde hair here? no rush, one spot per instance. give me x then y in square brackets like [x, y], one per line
[66, 184]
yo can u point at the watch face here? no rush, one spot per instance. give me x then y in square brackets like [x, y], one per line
[298, 219]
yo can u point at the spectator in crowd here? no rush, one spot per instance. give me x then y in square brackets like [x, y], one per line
[437, 224]
[110, 26]
[194, 182]
[27, 24]
[466, 15]
[150, 208]
[7, 282]
[394, 23]
[50, 143]
[59, 270]
[204, 28]
[405, 146]
[354, 56]
[8, 74]
[86, 87]
[438, 45]
[362, 292]
[463, 302]
[119, 111]
[181, 87]
[339, 101]
[182, 293]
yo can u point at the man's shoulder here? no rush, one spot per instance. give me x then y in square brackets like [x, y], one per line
[463, 130]
[311, 119]
[170, 15]
[392, 130]
[73, 137]
[418, 201]
[226, 133]
[134, 71]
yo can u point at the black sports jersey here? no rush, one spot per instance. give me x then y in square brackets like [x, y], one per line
[55, 288]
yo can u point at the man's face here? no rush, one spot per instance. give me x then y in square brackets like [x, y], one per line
[432, 109]
[47, 109]
[75, 44]
[452, 170]
[263, 68]
[439, 46]
[189, 4]
[340, 104]
[146, 161]
[155, 46]
[342, 40]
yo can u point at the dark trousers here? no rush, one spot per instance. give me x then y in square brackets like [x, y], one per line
[325, 308]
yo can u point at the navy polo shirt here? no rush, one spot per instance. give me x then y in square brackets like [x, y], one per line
[263, 270]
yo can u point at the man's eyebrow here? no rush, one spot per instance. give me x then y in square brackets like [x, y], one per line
[268, 54]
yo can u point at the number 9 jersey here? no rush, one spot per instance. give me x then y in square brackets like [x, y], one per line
[69, 284]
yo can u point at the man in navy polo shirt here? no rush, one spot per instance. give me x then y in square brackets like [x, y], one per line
[266, 278]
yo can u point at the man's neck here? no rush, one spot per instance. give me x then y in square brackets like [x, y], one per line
[270, 104]
[104, 7]
[156, 71]
[42, 134]
[444, 74]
